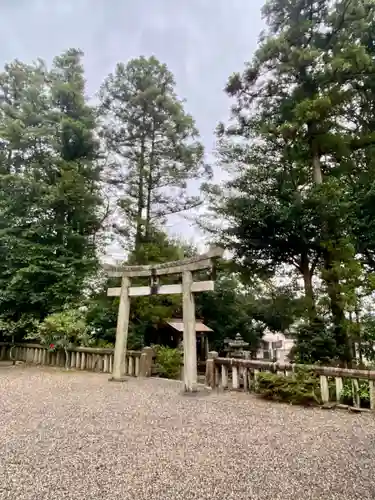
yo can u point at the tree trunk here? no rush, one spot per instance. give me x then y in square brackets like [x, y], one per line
[309, 291]
[358, 323]
[337, 309]
[309, 294]
[317, 170]
[331, 278]
[140, 203]
[149, 187]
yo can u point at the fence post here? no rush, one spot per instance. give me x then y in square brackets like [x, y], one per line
[145, 363]
[372, 394]
[224, 376]
[83, 360]
[339, 388]
[235, 378]
[210, 369]
[355, 391]
[130, 365]
[245, 378]
[136, 366]
[324, 389]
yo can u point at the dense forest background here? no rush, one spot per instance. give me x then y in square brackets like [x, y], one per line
[296, 212]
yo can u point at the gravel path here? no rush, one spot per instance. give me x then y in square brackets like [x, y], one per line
[72, 435]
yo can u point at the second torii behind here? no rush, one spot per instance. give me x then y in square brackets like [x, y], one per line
[184, 267]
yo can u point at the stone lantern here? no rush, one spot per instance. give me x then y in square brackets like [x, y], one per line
[237, 347]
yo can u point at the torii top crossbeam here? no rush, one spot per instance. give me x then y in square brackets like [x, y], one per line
[196, 263]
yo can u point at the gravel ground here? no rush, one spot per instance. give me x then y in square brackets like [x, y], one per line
[72, 435]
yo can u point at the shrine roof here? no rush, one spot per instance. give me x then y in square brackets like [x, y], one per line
[178, 325]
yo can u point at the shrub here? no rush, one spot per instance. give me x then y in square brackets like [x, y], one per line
[168, 362]
[63, 330]
[301, 387]
[102, 344]
[346, 395]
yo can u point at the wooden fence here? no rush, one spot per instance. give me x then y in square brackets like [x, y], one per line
[138, 363]
[241, 375]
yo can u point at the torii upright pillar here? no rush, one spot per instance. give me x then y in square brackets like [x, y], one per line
[119, 358]
[189, 339]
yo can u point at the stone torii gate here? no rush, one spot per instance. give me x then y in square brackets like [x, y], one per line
[187, 288]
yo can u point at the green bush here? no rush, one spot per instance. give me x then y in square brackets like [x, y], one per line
[301, 387]
[346, 395]
[102, 344]
[63, 330]
[168, 362]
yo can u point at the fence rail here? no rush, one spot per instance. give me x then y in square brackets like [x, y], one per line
[242, 374]
[138, 363]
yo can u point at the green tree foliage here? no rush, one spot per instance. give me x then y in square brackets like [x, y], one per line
[299, 148]
[49, 180]
[246, 309]
[293, 145]
[101, 315]
[153, 145]
[62, 330]
[168, 362]
[226, 311]
[315, 344]
[277, 308]
[366, 338]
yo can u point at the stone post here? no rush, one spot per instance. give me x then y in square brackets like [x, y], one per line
[118, 373]
[106, 363]
[355, 392]
[131, 366]
[372, 394]
[145, 364]
[339, 387]
[245, 376]
[136, 366]
[83, 360]
[324, 389]
[235, 378]
[224, 376]
[190, 343]
[210, 369]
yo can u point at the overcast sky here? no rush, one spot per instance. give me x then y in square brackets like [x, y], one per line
[201, 41]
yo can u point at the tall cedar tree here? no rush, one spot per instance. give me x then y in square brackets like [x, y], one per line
[361, 181]
[50, 202]
[292, 129]
[153, 145]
